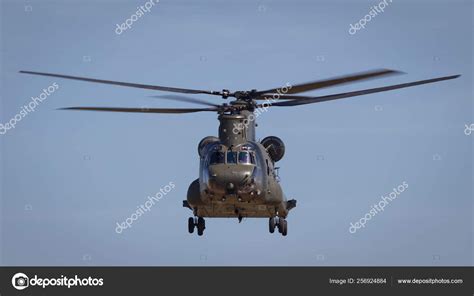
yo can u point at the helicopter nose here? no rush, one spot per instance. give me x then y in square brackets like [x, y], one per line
[230, 177]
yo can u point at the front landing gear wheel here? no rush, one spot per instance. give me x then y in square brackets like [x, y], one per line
[282, 226]
[191, 224]
[201, 225]
[272, 224]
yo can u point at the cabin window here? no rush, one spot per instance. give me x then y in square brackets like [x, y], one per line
[231, 157]
[217, 157]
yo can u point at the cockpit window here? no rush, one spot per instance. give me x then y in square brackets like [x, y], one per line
[231, 157]
[246, 158]
[217, 157]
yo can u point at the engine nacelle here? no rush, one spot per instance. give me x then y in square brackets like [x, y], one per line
[275, 147]
[204, 142]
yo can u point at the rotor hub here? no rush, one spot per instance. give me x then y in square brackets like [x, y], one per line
[225, 93]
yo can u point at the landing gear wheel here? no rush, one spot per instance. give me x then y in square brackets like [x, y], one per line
[201, 225]
[284, 231]
[282, 226]
[272, 224]
[200, 231]
[191, 224]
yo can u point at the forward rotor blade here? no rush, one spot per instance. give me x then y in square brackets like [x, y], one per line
[186, 99]
[142, 110]
[334, 81]
[127, 84]
[302, 100]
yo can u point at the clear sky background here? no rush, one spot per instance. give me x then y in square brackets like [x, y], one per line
[69, 177]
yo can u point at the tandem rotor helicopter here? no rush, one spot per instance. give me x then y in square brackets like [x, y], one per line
[237, 174]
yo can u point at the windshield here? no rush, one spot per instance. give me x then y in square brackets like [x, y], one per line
[231, 157]
[246, 158]
[217, 157]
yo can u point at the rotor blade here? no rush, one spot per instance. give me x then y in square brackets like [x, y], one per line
[127, 84]
[142, 110]
[269, 97]
[186, 99]
[301, 100]
[334, 81]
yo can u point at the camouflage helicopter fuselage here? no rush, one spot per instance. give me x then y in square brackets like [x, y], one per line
[237, 174]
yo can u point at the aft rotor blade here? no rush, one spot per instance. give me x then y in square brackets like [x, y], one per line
[127, 84]
[143, 110]
[299, 88]
[186, 99]
[302, 100]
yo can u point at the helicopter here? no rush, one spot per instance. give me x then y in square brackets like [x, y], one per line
[238, 177]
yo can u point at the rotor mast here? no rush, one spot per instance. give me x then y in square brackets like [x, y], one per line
[237, 128]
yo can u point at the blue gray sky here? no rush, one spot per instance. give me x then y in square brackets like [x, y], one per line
[67, 178]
